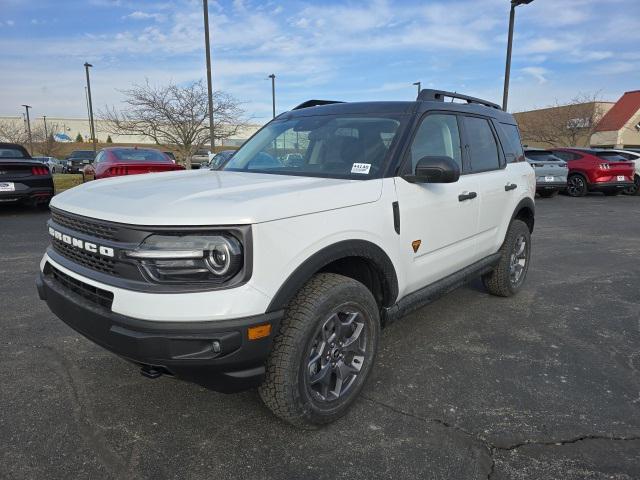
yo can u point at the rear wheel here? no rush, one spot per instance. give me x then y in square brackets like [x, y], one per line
[323, 352]
[635, 188]
[576, 186]
[508, 276]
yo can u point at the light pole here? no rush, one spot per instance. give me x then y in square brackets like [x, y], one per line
[507, 69]
[273, 93]
[205, 7]
[419, 85]
[93, 129]
[46, 134]
[27, 107]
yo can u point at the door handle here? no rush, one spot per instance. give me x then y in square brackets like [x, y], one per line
[510, 186]
[467, 196]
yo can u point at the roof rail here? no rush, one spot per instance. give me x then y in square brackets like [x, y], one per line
[315, 103]
[438, 95]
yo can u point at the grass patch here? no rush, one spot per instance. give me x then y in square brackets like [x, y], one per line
[65, 181]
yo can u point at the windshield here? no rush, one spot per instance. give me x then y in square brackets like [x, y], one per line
[138, 155]
[336, 146]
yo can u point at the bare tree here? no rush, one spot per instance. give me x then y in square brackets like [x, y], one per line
[174, 115]
[13, 132]
[45, 143]
[563, 124]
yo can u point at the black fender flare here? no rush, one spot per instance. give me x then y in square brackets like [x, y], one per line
[526, 203]
[366, 250]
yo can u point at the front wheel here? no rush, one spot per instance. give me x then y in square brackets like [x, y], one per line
[323, 353]
[508, 276]
[576, 186]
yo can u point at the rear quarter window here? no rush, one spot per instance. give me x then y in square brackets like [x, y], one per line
[511, 142]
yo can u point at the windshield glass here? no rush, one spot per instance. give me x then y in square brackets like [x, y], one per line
[336, 146]
[138, 155]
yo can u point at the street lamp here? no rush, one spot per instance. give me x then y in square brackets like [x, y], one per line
[46, 134]
[419, 85]
[273, 92]
[91, 125]
[507, 70]
[205, 7]
[27, 107]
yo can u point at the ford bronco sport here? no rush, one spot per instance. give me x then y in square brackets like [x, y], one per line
[281, 274]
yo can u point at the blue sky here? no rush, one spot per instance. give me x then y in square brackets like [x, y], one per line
[345, 50]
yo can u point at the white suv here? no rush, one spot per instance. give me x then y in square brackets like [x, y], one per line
[281, 274]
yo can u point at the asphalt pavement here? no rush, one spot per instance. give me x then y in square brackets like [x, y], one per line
[545, 385]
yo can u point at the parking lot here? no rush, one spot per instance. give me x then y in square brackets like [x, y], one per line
[543, 385]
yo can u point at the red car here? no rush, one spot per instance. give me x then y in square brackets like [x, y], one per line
[590, 173]
[117, 161]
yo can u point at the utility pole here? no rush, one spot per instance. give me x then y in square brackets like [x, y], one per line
[419, 85]
[205, 6]
[27, 107]
[46, 134]
[273, 93]
[91, 124]
[507, 69]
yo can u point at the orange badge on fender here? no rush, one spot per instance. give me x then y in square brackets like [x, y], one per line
[416, 245]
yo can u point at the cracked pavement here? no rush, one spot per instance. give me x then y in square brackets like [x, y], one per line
[545, 385]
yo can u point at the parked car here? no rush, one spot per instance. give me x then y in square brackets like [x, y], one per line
[118, 161]
[171, 155]
[632, 156]
[220, 158]
[55, 165]
[262, 274]
[77, 160]
[590, 173]
[551, 171]
[201, 157]
[23, 179]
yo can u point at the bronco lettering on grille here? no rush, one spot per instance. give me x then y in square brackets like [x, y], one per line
[82, 244]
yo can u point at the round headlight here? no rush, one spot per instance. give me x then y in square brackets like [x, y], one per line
[219, 259]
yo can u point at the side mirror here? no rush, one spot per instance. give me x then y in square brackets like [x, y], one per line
[435, 169]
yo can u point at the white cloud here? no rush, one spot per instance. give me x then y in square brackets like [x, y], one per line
[139, 15]
[539, 73]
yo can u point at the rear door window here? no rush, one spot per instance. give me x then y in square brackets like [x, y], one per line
[483, 148]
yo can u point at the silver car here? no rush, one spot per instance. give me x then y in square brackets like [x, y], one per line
[551, 171]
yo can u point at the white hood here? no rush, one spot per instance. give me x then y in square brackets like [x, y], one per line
[198, 197]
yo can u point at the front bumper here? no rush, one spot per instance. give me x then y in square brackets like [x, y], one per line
[215, 354]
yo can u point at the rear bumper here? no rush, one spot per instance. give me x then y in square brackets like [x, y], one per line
[215, 354]
[550, 185]
[25, 192]
[609, 186]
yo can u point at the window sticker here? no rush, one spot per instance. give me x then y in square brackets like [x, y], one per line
[362, 168]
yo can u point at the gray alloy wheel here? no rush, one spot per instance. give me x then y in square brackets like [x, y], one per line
[337, 354]
[576, 186]
[518, 261]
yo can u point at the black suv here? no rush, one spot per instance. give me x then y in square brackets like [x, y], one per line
[78, 159]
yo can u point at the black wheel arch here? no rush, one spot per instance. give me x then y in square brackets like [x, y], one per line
[525, 211]
[358, 259]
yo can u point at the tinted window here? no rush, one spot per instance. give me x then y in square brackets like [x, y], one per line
[99, 157]
[542, 155]
[482, 144]
[11, 153]
[611, 156]
[438, 135]
[139, 155]
[566, 156]
[514, 142]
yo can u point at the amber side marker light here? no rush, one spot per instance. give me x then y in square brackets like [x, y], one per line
[259, 331]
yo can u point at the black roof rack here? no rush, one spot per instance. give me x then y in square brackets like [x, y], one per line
[438, 95]
[315, 103]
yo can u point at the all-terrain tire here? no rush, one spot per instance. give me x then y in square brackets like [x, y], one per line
[287, 389]
[500, 281]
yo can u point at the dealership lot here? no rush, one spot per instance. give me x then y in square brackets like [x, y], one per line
[543, 385]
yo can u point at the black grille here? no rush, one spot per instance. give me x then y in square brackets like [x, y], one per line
[88, 227]
[82, 257]
[93, 294]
